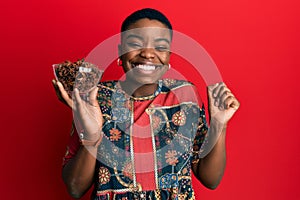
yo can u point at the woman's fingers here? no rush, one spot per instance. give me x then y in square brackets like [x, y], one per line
[221, 90]
[56, 89]
[54, 84]
[214, 89]
[61, 93]
[64, 95]
[222, 103]
[88, 111]
[232, 102]
[78, 101]
[216, 93]
[62, 90]
[227, 100]
[93, 97]
[222, 96]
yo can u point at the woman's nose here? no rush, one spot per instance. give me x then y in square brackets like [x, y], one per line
[147, 53]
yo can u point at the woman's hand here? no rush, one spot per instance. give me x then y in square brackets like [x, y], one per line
[221, 106]
[222, 103]
[88, 112]
[62, 94]
[78, 173]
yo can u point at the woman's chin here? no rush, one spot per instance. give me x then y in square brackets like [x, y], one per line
[140, 79]
[145, 81]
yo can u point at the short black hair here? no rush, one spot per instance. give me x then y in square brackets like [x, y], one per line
[149, 13]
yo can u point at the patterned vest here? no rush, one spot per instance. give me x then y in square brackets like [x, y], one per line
[149, 143]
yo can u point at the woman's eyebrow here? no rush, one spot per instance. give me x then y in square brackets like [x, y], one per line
[134, 36]
[141, 38]
[162, 39]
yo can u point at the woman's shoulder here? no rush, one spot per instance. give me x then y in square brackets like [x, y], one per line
[184, 91]
[110, 85]
[173, 84]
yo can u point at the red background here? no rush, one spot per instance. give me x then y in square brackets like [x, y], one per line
[254, 43]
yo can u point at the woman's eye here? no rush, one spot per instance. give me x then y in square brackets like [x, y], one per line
[134, 45]
[162, 48]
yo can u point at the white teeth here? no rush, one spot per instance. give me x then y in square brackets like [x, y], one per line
[146, 67]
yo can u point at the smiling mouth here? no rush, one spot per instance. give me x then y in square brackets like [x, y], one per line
[146, 67]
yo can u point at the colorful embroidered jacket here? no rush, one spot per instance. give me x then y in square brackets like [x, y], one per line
[149, 143]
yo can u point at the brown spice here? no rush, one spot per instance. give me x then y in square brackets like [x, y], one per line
[80, 74]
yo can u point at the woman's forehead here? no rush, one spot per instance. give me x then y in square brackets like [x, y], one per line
[148, 32]
[146, 28]
[145, 22]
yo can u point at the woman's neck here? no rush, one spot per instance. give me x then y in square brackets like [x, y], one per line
[138, 89]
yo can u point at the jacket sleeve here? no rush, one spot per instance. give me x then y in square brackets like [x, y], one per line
[73, 145]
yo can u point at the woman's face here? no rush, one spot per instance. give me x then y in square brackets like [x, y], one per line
[145, 51]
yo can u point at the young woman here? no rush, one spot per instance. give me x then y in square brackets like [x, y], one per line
[141, 138]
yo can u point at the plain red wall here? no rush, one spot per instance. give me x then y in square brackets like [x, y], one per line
[254, 43]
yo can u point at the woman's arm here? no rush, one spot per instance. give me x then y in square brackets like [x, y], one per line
[210, 169]
[222, 105]
[78, 173]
